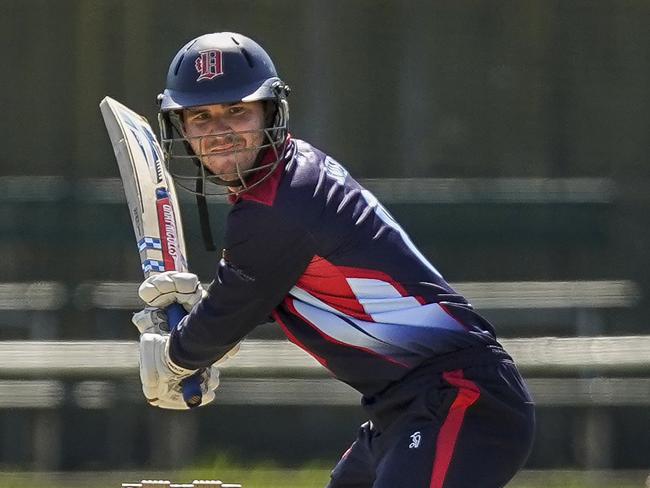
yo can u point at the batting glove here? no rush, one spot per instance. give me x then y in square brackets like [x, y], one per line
[151, 320]
[161, 377]
[161, 290]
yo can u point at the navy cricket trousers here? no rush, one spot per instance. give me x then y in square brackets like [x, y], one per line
[468, 427]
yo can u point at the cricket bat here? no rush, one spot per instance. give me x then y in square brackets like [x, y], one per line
[153, 206]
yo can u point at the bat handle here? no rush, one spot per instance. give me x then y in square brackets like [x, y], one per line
[191, 385]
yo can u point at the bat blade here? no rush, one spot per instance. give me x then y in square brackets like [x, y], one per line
[153, 206]
[149, 189]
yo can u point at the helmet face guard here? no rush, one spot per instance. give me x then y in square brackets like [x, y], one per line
[222, 68]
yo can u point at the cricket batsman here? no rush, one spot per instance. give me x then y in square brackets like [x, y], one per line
[307, 245]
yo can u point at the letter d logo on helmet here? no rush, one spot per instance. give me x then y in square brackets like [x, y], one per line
[223, 67]
[209, 64]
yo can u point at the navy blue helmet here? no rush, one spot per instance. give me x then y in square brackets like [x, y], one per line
[222, 68]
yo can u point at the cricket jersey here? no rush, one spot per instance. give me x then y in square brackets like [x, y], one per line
[312, 249]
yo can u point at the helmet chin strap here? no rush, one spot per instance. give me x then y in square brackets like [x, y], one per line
[202, 206]
[204, 215]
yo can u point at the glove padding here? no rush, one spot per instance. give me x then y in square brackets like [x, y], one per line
[161, 378]
[151, 320]
[163, 289]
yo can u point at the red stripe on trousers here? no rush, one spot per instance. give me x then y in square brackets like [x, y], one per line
[468, 394]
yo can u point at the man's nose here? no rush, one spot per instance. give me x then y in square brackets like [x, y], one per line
[219, 140]
[219, 125]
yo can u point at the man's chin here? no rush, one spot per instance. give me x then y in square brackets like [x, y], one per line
[227, 170]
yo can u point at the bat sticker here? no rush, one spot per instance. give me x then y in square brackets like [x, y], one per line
[153, 265]
[149, 243]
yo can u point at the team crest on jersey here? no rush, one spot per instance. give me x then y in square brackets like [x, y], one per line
[209, 64]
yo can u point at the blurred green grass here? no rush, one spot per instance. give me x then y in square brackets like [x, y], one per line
[270, 475]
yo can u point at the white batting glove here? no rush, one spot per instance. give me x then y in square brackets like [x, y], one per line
[161, 290]
[151, 320]
[161, 377]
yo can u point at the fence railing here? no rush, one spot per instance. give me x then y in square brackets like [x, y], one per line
[52, 295]
[43, 377]
[591, 370]
[21, 189]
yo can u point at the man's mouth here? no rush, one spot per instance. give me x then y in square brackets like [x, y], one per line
[224, 148]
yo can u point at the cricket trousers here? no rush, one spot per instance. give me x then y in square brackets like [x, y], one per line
[465, 421]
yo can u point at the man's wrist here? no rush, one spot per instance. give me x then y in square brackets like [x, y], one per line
[173, 366]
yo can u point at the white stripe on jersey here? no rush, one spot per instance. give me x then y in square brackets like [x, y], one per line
[377, 296]
[339, 329]
[401, 329]
[431, 315]
[306, 297]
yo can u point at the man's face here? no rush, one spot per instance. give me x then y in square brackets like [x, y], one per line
[225, 136]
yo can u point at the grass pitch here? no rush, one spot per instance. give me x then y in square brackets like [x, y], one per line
[269, 475]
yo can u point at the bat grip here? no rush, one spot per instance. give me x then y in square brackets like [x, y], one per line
[191, 385]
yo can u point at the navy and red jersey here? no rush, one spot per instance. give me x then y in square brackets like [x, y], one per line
[312, 249]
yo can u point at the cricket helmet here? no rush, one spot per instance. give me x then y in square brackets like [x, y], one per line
[222, 68]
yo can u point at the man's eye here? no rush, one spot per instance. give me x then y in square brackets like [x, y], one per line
[236, 110]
